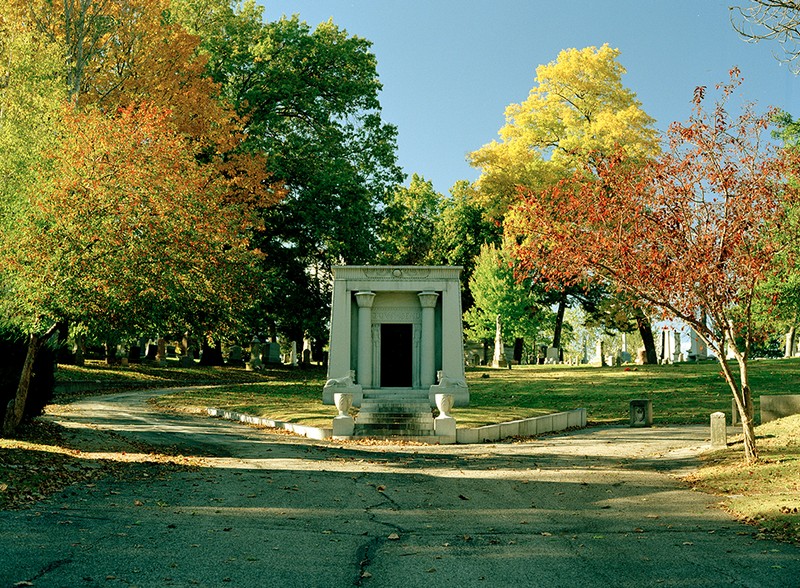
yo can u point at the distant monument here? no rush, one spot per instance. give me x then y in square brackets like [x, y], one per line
[396, 328]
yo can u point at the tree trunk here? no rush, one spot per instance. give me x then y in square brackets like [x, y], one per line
[80, 349]
[111, 351]
[646, 332]
[744, 403]
[789, 349]
[562, 307]
[211, 355]
[519, 346]
[16, 406]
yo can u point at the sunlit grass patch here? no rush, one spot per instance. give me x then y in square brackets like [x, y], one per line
[767, 493]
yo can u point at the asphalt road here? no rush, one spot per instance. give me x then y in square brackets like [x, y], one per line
[599, 507]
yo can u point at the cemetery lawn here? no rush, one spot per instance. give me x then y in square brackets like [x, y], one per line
[681, 393]
[766, 495]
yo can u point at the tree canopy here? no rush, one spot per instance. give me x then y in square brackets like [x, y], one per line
[578, 109]
[694, 232]
[310, 101]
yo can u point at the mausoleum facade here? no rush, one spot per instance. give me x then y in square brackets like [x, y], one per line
[396, 328]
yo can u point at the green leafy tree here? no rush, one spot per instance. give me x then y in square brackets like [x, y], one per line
[310, 99]
[31, 96]
[461, 229]
[408, 225]
[499, 296]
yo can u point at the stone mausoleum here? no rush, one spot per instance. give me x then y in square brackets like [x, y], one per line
[396, 330]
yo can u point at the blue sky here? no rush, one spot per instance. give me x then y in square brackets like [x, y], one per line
[450, 67]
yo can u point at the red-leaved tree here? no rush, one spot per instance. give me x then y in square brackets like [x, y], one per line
[694, 233]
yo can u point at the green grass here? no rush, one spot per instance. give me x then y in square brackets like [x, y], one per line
[146, 374]
[766, 494]
[681, 394]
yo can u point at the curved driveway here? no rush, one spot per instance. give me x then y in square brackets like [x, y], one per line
[598, 507]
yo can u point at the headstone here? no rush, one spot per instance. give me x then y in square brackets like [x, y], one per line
[235, 357]
[151, 350]
[676, 347]
[255, 356]
[306, 357]
[293, 354]
[271, 353]
[641, 413]
[641, 356]
[135, 354]
[777, 407]
[600, 358]
[553, 355]
[498, 358]
[161, 356]
[624, 356]
[719, 430]
[697, 347]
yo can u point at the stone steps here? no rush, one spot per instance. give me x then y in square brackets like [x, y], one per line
[401, 414]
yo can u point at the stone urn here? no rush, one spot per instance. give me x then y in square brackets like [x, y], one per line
[444, 402]
[343, 402]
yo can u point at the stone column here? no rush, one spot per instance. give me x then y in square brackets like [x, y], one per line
[427, 354]
[364, 372]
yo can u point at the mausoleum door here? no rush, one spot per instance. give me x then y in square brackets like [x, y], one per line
[396, 361]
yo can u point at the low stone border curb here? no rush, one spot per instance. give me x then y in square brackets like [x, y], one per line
[305, 430]
[549, 423]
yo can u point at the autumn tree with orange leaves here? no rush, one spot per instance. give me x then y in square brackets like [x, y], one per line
[129, 231]
[137, 210]
[695, 232]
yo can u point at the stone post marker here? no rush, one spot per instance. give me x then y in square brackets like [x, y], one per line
[641, 412]
[719, 430]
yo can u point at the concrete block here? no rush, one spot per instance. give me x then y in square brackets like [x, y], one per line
[719, 430]
[641, 413]
[509, 429]
[560, 421]
[343, 426]
[489, 433]
[467, 436]
[545, 423]
[576, 418]
[777, 407]
[444, 426]
[529, 427]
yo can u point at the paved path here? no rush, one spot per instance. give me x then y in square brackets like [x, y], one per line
[599, 507]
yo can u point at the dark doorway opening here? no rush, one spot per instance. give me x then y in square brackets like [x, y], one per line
[396, 352]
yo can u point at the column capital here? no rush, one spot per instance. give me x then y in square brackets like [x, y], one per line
[428, 299]
[365, 299]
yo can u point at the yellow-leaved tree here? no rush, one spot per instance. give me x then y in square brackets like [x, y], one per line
[577, 111]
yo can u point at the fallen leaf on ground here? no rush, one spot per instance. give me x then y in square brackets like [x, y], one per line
[393, 536]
